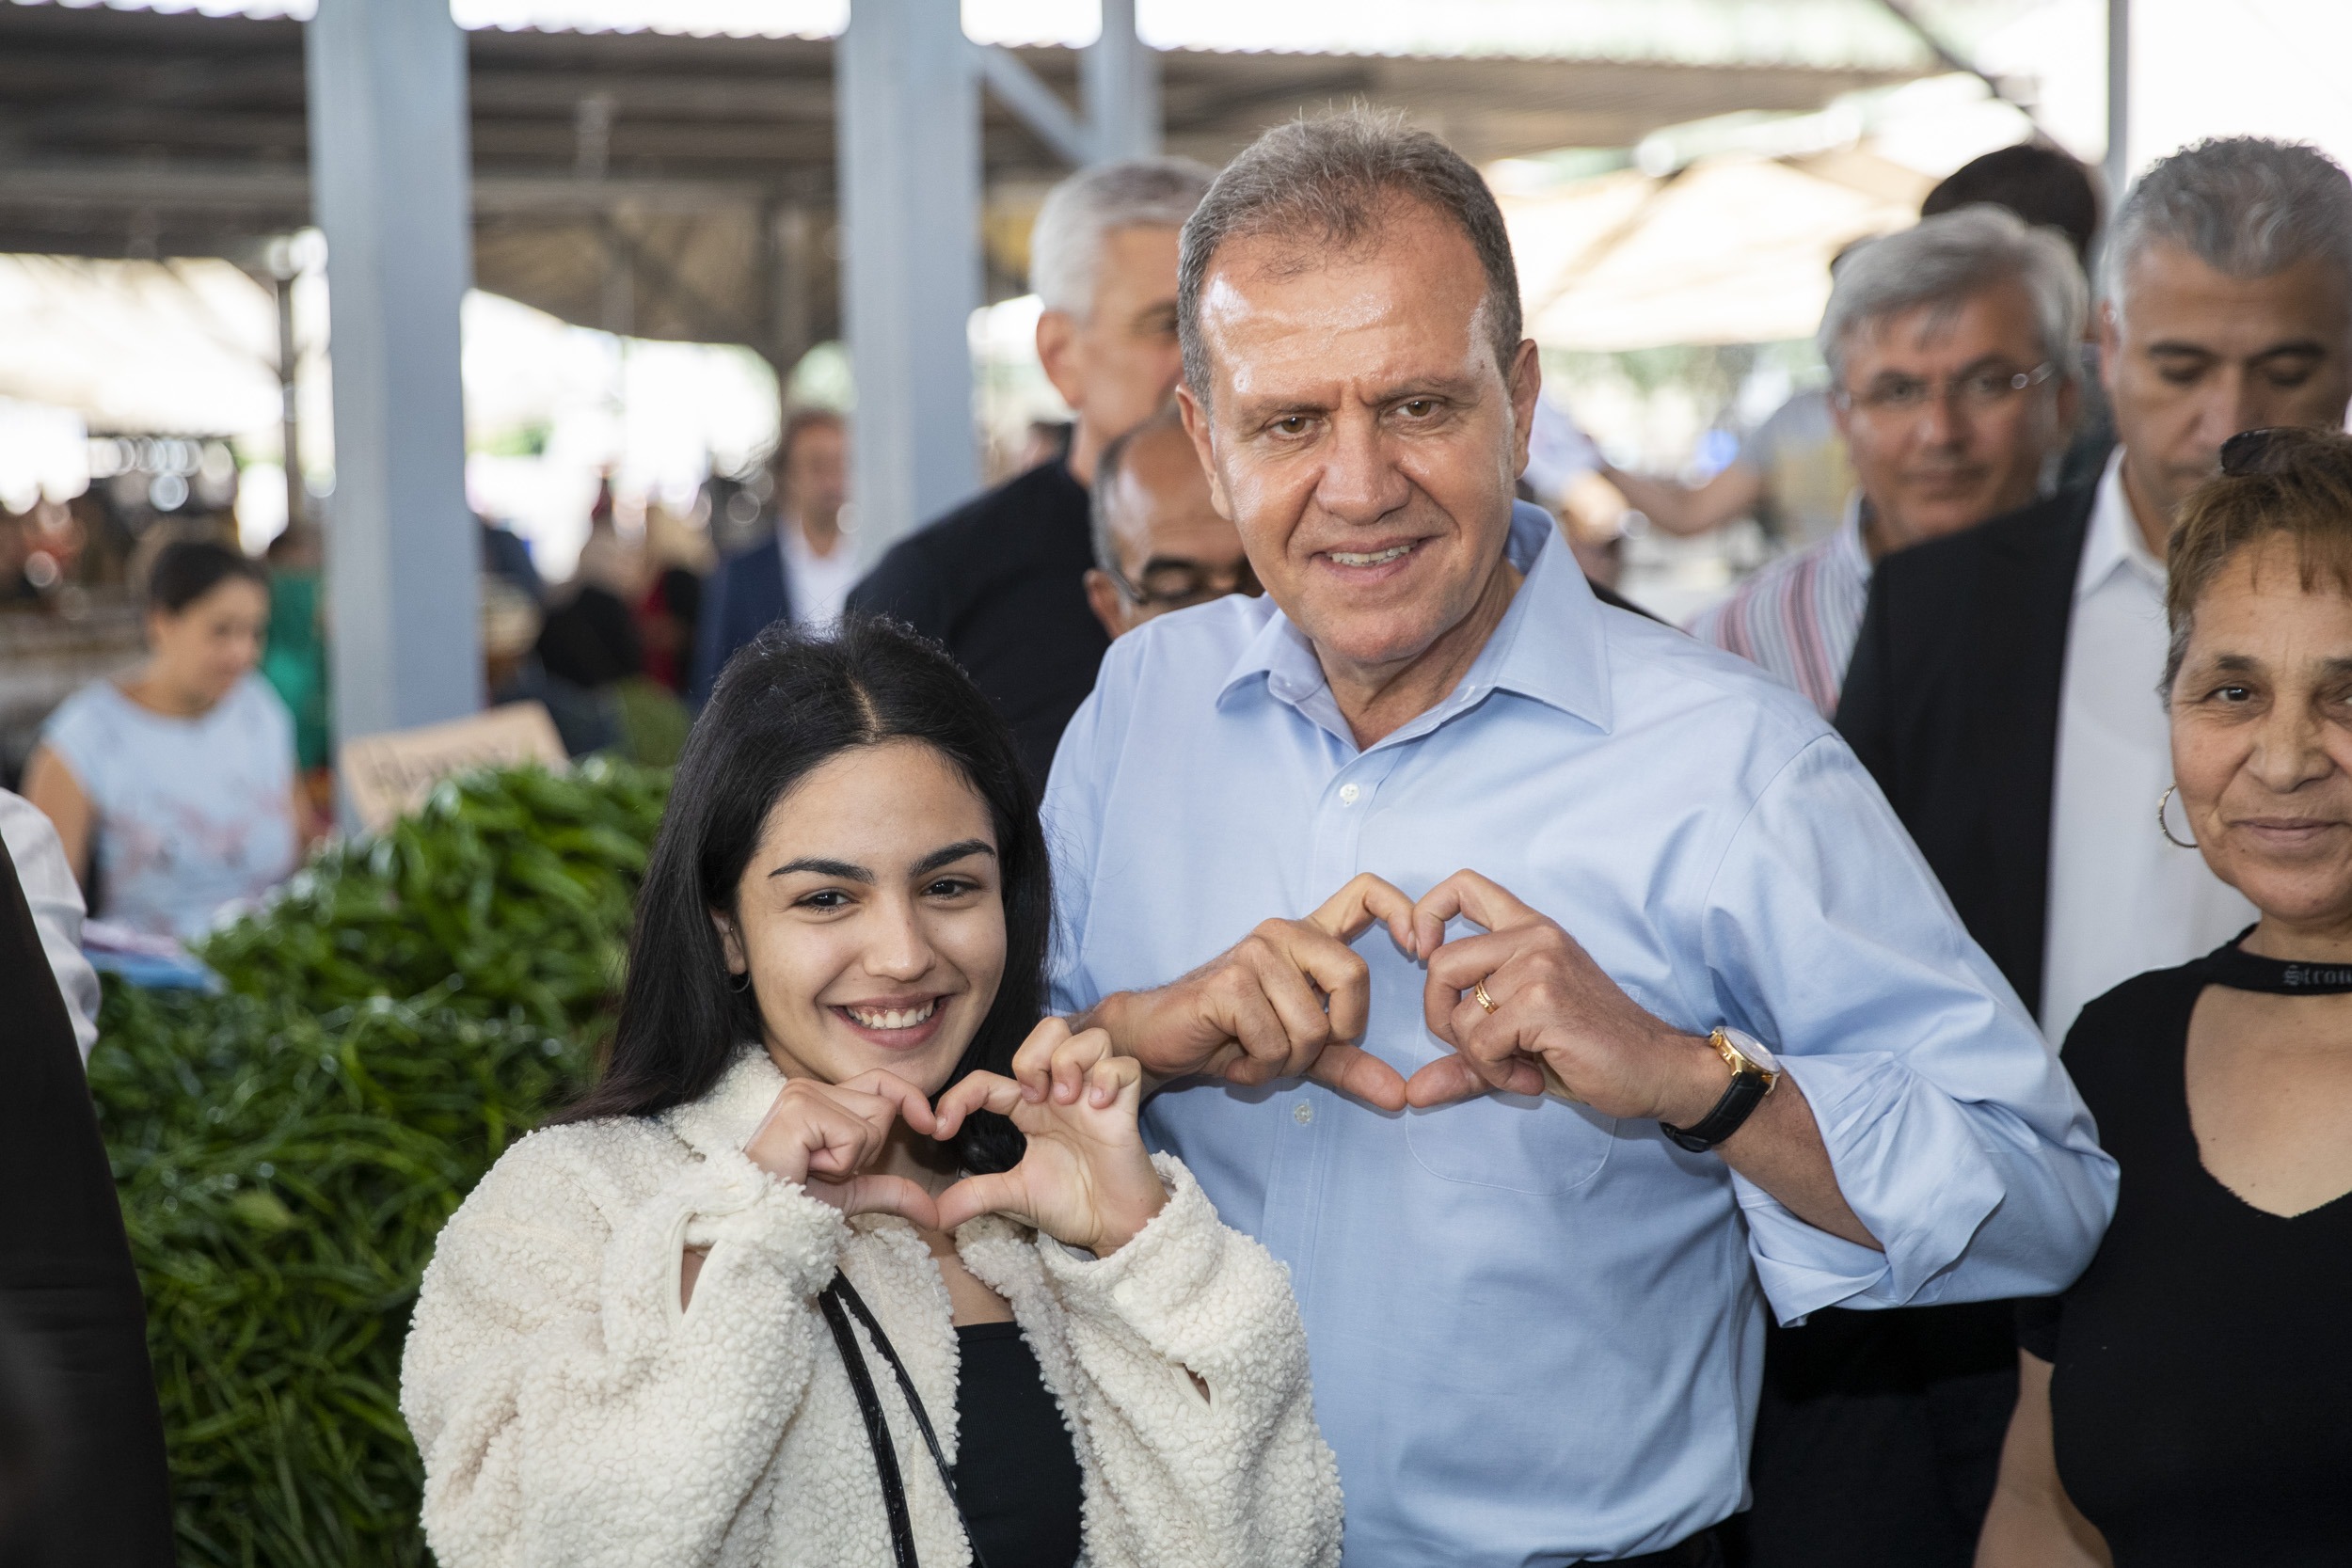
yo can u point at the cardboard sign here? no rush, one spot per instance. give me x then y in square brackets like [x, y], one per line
[389, 775]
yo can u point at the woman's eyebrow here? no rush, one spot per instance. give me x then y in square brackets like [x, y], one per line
[842, 869]
[951, 854]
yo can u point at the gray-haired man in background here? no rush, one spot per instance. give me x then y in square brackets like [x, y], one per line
[999, 580]
[1952, 351]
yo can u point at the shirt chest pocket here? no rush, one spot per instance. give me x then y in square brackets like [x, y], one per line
[1513, 1142]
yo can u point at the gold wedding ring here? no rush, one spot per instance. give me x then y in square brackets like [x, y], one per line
[1478, 994]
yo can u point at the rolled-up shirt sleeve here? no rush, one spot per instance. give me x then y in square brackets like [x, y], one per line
[1956, 1136]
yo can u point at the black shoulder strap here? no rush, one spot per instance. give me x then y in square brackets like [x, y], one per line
[833, 1299]
[876, 1426]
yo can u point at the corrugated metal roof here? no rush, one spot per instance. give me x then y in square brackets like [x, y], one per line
[1821, 34]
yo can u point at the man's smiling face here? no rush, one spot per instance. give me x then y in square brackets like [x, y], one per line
[1360, 433]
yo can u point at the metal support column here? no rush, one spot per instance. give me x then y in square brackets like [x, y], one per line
[908, 113]
[1119, 81]
[2118, 168]
[389, 173]
[283, 273]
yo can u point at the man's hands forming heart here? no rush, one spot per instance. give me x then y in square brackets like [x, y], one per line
[1558, 1021]
[1290, 998]
[1293, 998]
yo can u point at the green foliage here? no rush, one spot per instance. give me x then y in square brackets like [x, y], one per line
[287, 1153]
[512, 888]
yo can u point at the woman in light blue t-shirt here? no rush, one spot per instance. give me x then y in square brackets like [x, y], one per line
[173, 787]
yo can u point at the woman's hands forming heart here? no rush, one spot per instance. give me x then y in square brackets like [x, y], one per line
[824, 1137]
[1086, 1180]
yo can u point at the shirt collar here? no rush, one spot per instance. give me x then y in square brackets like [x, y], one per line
[2114, 543]
[1847, 542]
[1550, 645]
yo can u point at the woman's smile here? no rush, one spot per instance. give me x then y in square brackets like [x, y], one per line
[895, 1023]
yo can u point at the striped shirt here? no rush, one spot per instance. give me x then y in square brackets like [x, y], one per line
[1799, 617]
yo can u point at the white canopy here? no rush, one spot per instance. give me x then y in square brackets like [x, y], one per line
[181, 347]
[1728, 249]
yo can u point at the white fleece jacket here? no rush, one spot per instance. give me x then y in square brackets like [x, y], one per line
[571, 1413]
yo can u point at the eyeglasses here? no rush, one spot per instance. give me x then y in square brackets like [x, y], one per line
[2253, 452]
[1177, 584]
[1978, 392]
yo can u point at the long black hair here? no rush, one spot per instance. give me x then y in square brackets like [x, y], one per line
[787, 703]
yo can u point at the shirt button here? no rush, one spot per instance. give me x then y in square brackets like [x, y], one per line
[1348, 795]
[1302, 1113]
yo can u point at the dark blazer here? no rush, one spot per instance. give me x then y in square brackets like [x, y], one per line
[1952, 704]
[745, 593]
[1000, 584]
[73, 1359]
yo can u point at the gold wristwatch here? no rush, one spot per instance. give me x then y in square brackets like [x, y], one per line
[1755, 1073]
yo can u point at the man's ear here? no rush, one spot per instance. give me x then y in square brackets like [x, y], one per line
[1527, 385]
[730, 941]
[2110, 346]
[1197, 427]
[1108, 604]
[1062, 353]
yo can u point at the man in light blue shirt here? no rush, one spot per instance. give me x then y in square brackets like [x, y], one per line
[1536, 1320]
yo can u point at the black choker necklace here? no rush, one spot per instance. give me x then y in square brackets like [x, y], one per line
[2232, 966]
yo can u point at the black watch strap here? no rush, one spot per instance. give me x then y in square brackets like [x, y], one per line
[1739, 1101]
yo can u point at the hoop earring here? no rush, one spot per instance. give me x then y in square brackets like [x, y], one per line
[2162, 802]
[739, 983]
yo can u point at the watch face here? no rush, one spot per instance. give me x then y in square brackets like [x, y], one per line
[1751, 1048]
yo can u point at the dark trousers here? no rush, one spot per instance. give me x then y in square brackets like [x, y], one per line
[1703, 1550]
[1878, 1438]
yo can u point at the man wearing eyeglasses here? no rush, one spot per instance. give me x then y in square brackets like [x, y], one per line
[1159, 543]
[1952, 349]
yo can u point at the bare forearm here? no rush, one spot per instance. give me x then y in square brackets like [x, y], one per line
[1677, 509]
[1779, 1147]
[2032, 1523]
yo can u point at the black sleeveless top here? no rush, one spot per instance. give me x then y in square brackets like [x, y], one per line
[2202, 1396]
[1016, 1473]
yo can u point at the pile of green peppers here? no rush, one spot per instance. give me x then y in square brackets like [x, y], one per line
[287, 1152]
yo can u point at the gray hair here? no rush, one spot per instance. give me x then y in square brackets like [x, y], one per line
[1943, 260]
[2246, 206]
[1106, 471]
[1066, 244]
[1329, 183]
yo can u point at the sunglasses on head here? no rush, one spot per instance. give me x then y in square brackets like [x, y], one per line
[2253, 451]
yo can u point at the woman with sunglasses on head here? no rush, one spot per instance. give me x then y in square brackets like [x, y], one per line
[2184, 1402]
[822, 1272]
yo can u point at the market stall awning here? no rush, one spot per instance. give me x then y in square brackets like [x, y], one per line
[165, 348]
[1729, 250]
[682, 188]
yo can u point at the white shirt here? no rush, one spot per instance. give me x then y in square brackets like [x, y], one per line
[2121, 900]
[55, 900]
[816, 587]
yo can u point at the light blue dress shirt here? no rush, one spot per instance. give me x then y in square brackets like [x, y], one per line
[1535, 1330]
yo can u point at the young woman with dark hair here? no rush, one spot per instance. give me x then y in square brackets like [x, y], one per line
[848, 1259]
[172, 788]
